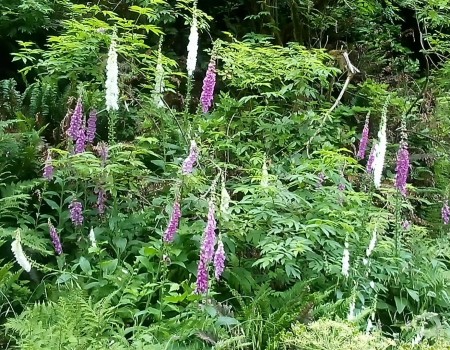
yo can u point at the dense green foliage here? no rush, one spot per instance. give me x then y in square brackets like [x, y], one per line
[310, 238]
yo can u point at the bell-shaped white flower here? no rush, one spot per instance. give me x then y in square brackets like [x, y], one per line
[92, 238]
[346, 261]
[112, 78]
[16, 248]
[192, 47]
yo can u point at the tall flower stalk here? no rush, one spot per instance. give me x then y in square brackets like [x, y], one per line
[159, 78]
[206, 250]
[370, 161]
[219, 260]
[92, 238]
[191, 61]
[76, 213]
[224, 200]
[112, 78]
[91, 127]
[346, 261]
[189, 162]
[364, 139]
[403, 165]
[48, 166]
[380, 147]
[172, 227]
[101, 200]
[112, 89]
[19, 255]
[192, 47]
[55, 238]
[445, 212]
[264, 174]
[80, 144]
[209, 83]
[76, 121]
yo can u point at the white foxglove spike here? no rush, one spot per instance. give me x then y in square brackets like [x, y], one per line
[192, 47]
[380, 149]
[372, 243]
[92, 238]
[346, 261]
[224, 200]
[112, 77]
[16, 248]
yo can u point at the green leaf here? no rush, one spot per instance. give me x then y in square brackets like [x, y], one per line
[52, 204]
[400, 303]
[109, 266]
[413, 294]
[226, 321]
[85, 265]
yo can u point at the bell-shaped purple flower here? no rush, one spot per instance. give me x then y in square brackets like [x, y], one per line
[320, 180]
[445, 211]
[91, 126]
[101, 200]
[55, 238]
[406, 224]
[76, 121]
[76, 213]
[208, 87]
[189, 162]
[364, 140]
[370, 161]
[209, 236]
[219, 260]
[80, 144]
[48, 166]
[102, 150]
[174, 221]
[202, 277]
[402, 168]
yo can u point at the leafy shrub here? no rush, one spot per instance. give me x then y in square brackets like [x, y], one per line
[331, 335]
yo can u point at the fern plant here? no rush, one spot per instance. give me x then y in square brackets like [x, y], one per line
[72, 322]
[259, 322]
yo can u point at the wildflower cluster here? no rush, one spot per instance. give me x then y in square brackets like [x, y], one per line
[112, 77]
[19, 255]
[189, 162]
[207, 253]
[55, 238]
[77, 130]
[174, 222]
[364, 139]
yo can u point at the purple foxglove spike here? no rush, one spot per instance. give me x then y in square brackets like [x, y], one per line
[208, 87]
[364, 141]
[80, 144]
[209, 236]
[102, 150]
[76, 121]
[202, 277]
[402, 168]
[101, 201]
[48, 167]
[371, 160]
[76, 213]
[406, 225]
[55, 238]
[189, 162]
[219, 260]
[91, 126]
[445, 212]
[320, 180]
[174, 222]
